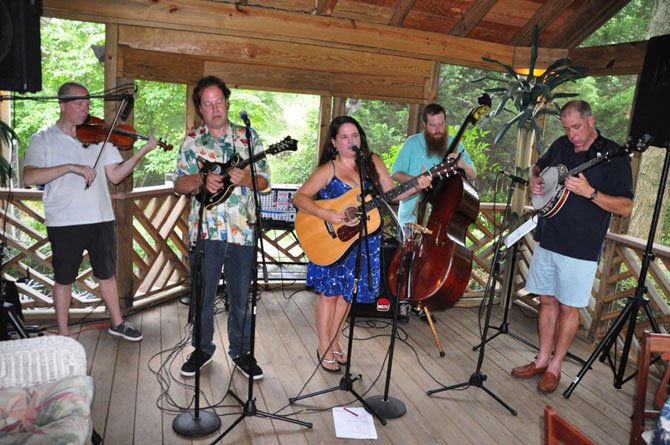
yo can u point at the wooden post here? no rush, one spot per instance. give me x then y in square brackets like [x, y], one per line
[339, 106]
[122, 207]
[192, 118]
[325, 116]
[414, 119]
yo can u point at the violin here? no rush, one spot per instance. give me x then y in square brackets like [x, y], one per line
[94, 131]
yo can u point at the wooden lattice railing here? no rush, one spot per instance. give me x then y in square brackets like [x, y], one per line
[159, 259]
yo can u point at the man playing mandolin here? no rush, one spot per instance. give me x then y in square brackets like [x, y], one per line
[424, 150]
[77, 204]
[227, 233]
[569, 244]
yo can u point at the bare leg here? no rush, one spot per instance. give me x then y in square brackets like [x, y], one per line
[340, 315]
[62, 296]
[546, 326]
[568, 323]
[324, 311]
[110, 294]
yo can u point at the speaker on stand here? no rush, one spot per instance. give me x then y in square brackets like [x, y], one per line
[20, 55]
[653, 92]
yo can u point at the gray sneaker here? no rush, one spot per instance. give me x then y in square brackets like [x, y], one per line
[126, 330]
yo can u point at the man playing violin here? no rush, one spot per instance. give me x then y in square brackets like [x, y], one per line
[77, 204]
[424, 150]
[569, 244]
[227, 235]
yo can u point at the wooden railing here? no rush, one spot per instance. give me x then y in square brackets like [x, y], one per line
[159, 259]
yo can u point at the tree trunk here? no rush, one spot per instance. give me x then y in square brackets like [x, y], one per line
[651, 162]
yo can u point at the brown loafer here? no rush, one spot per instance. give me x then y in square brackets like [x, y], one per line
[548, 383]
[527, 371]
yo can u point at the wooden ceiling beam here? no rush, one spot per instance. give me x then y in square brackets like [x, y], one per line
[325, 7]
[582, 23]
[543, 17]
[610, 60]
[274, 25]
[472, 16]
[400, 10]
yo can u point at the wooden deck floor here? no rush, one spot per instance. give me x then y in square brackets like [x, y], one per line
[131, 406]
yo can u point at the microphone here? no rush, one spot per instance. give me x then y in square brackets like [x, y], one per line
[128, 108]
[515, 178]
[245, 118]
[355, 148]
[210, 167]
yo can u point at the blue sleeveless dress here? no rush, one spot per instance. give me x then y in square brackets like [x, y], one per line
[338, 278]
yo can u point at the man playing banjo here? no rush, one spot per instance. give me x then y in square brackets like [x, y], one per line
[569, 243]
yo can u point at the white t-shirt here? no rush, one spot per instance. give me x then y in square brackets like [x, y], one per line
[67, 201]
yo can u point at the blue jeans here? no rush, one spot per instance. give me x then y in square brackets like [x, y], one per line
[236, 262]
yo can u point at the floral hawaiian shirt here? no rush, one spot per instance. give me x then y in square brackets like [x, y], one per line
[231, 220]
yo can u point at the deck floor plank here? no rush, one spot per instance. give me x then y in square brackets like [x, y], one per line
[285, 349]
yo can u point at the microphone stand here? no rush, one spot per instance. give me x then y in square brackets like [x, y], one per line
[196, 423]
[478, 378]
[391, 407]
[249, 407]
[346, 383]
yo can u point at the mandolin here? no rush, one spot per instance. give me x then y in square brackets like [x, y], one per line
[223, 169]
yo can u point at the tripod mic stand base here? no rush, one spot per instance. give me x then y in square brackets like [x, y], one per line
[187, 425]
[390, 408]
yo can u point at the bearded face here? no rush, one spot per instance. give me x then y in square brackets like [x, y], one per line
[435, 134]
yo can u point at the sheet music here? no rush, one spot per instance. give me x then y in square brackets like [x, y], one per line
[521, 231]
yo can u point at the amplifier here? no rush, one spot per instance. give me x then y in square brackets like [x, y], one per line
[382, 307]
[277, 206]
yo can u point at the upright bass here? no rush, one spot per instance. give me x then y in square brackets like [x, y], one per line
[438, 261]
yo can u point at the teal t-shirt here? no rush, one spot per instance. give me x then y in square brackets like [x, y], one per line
[414, 155]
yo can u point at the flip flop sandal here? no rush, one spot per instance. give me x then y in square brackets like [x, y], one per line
[331, 361]
[338, 354]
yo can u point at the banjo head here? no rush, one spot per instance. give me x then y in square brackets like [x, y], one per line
[552, 189]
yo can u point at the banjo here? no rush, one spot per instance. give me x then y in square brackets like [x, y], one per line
[554, 194]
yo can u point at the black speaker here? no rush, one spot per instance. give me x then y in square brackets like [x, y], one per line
[20, 56]
[653, 93]
[382, 307]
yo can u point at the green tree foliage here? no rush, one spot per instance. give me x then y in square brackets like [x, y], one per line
[66, 56]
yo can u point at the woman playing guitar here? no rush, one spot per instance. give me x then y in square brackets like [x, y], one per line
[336, 175]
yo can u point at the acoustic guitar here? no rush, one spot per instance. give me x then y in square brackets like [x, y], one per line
[325, 243]
[554, 195]
[214, 199]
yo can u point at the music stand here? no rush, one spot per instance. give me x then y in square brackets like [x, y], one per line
[630, 311]
[249, 406]
[478, 378]
[346, 383]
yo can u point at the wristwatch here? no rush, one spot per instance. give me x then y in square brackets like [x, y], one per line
[594, 195]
